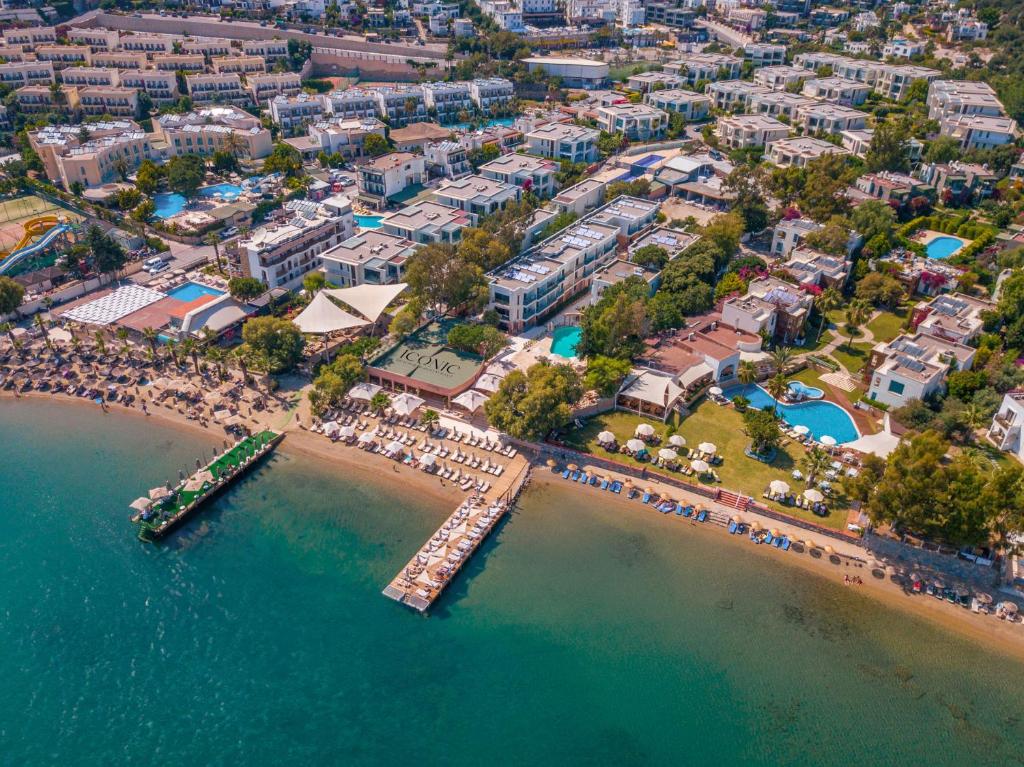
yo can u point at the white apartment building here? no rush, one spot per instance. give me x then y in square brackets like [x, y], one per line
[355, 102]
[448, 100]
[384, 177]
[85, 76]
[64, 55]
[478, 196]
[764, 54]
[913, 367]
[120, 60]
[208, 46]
[161, 87]
[531, 174]
[798, 151]
[779, 104]
[953, 317]
[216, 89]
[902, 48]
[749, 131]
[692, 106]
[97, 39]
[837, 90]
[734, 95]
[980, 131]
[952, 98]
[401, 104]
[281, 252]
[179, 62]
[243, 65]
[562, 141]
[645, 82]
[1005, 431]
[637, 122]
[293, 113]
[148, 43]
[371, 257]
[426, 222]
[705, 66]
[99, 100]
[264, 87]
[270, 50]
[778, 78]
[448, 159]
[580, 198]
[345, 136]
[30, 37]
[492, 95]
[830, 118]
[789, 234]
[214, 128]
[894, 81]
[966, 29]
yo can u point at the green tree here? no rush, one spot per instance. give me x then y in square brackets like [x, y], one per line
[147, 177]
[606, 374]
[825, 302]
[314, 282]
[874, 218]
[888, 148]
[730, 284]
[881, 289]
[821, 196]
[224, 162]
[375, 145]
[484, 340]
[107, 256]
[763, 429]
[11, 295]
[185, 174]
[942, 149]
[747, 372]
[615, 326]
[245, 288]
[651, 256]
[443, 281]
[284, 159]
[777, 385]
[832, 238]
[857, 313]
[814, 463]
[530, 405]
[276, 343]
[380, 401]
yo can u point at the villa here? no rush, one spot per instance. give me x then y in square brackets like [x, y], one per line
[954, 317]
[426, 222]
[980, 131]
[692, 106]
[814, 268]
[837, 90]
[775, 308]
[750, 131]
[889, 186]
[389, 175]
[796, 152]
[559, 141]
[913, 367]
[706, 66]
[530, 173]
[1005, 431]
[830, 118]
[476, 195]
[447, 159]
[581, 197]
[646, 82]
[734, 95]
[778, 78]
[637, 122]
[372, 257]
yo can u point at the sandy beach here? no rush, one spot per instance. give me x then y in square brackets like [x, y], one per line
[993, 632]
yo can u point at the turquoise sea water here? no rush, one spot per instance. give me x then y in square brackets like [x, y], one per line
[581, 634]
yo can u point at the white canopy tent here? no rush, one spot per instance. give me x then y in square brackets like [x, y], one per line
[368, 300]
[813, 496]
[364, 391]
[605, 437]
[677, 440]
[644, 430]
[405, 403]
[779, 487]
[668, 454]
[488, 382]
[472, 400]
[324, 316]
[635, 445]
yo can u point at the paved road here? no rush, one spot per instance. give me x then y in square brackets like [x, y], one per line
[182, 256]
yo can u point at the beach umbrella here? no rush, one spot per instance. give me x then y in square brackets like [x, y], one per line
[775, 532]
[427, 460]
[366, 437]
[488, 382]
[797, 474]
[1009, 607]
[331, 428]
[644, 430]
[668, 454]
[551, 462]
[649, 490]
[572, 467]
[472, 400]
[985, 599]
[809, 543]
[715, 391]
[406, 403]
[829, 550]
[676, 440]
[814, 496]
[699, 466]
[636, 445]
[707, 447]
[363, 391]
[778, 487]
[802, 430]
[605, 437]
[347, 432]
[828, 440]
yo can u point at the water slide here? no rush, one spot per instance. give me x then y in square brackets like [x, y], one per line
[46, 226]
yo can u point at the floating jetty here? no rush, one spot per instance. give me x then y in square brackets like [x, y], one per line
[434, 566]
[166, 507]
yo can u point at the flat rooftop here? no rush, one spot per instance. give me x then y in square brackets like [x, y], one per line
[425, 357]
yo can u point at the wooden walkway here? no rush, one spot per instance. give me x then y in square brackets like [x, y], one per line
[435, 565]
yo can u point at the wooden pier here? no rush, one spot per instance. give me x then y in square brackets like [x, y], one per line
[435, 565]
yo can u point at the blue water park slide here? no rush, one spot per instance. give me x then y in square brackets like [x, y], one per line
[17, 256]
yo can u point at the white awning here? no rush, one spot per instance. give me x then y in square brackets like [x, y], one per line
[471, 400]
[363, 391]
[695, 373]
[654, 389]
[324, 316]
[368, 300]
[488, 382]
[405, 403]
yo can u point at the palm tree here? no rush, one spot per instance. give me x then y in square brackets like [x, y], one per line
[430, 418]
[747, 372]
[380, 401]
[242, 365]
[780, 358]
[151, 337]
[122, 336]
[214, 239]
[777, 386]
[216, 355]
[76, 343]
[190, 348]
[857, 313]
[814, 463]
[826, 301]
[172, 350]
[8, 328]
[41, 324]
[974, 415]
[101, 344]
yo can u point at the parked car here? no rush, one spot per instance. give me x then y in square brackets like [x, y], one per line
[229, 232]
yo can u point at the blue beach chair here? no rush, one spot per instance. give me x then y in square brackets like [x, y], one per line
[594, 480]
[565, 474]
[768, 539]
[679, 509]
[646, 498]
[732, 527]
[688, 511]
[574, 476]
[702, 516]
[785, 543]
[604, 484]
[616, 487]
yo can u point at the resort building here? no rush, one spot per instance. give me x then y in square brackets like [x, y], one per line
[17, 75]
[492, 95]
[646, 82]
[952, 317]
[789, 234]
[629, 214]
[952, 98]
[216, 89]
[281, 252]
[264, 87]
[637, 122]
[531, 174]
[354, 102]
[208, 46]
[64, 55]
[830, 118]
[448, 100]
[778, 78]
[692, 106]
[344, 137]
[39, 99]
[95, 39]
[426, 222]
[779, 104]
[29, 37]
[836, 90]
[798, 151]
[889, 186]
[95, 157]
[705, 66]
[574, 73]
[770, 306]
[371, 257]
[447, 159]
[764, 54]
[749, 131]
[814, 268]
[387, 176]
[270, 50]
[1005, 431]
[101, 100]
[894, 81]
[210, 129]
[476, 195]
[401, 104]
[120, 60]
[581, 197]
[161, 87]
[86, 76]
[902, 48]
[148, 43]
[179, 62]
[913, 367]
[560, 141]
[294, 113]
[734, 95]
[244, 65]
[980, 131]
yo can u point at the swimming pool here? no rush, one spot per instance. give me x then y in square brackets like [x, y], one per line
[820, 417]
[368, 222]
[190, 291]
[171, 203]
[564, 340]
[943, 247]
[800, 389]
[503, 121]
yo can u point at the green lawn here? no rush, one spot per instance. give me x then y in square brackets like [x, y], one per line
[853, 358]
[724, 427]
[812, 345]
[887, 325]
[812, 377]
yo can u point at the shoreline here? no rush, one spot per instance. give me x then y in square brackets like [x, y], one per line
[994, 633]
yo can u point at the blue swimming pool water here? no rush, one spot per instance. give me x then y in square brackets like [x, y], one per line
[171, 203]
[943, 247]
[820, 417]
[503, 121]
[564, 340]
[190, 291]
[368, 222]
[799, 388]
